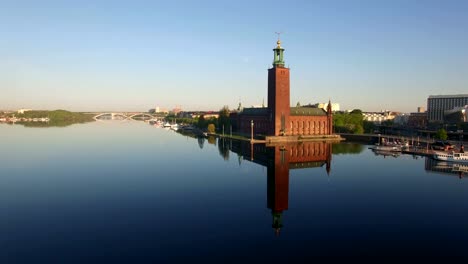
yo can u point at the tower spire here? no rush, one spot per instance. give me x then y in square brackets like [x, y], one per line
[278, 43]
[278, 59]
[329, 107]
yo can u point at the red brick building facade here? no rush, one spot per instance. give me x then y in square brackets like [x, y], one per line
[279, 118]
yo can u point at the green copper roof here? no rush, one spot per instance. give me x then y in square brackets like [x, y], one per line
[278, 55]
[255, 111]
[307, 111]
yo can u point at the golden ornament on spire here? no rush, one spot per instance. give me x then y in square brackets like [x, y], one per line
[278, 43]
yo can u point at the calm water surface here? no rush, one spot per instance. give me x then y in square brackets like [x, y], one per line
[129, 192]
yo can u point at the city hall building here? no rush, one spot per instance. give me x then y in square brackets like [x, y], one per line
[279, 118]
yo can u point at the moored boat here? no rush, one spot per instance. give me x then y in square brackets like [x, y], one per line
[451, 156]
[389, 148]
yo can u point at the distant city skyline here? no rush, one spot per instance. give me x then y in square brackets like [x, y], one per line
[133, 56]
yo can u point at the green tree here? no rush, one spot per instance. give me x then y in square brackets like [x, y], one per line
[348, 122]
[223, 119]
[338, 122]
[201, 123]
[441, 134]
[388, 123]
[369, 127]
[358, 129]
[298, 104]
[211, 128]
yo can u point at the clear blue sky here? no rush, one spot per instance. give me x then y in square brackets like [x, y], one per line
[135, 55]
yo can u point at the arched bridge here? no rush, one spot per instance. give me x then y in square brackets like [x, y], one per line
[131, 115]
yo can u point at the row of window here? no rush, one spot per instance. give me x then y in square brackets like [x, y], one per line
[306, 152]
[308, 128]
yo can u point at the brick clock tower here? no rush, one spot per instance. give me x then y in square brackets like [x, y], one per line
[278, 93]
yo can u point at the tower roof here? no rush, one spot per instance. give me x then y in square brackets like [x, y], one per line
[278, 54]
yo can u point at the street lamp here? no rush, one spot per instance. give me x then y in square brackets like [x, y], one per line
[251, 130]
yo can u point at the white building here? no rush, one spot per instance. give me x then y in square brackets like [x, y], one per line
[21, 111]
[379, 117]
[334, 106]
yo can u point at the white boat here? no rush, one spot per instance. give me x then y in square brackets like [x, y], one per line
[451, 156]
[175, 126]
[167, 124]
[390, 148]
[387, 146]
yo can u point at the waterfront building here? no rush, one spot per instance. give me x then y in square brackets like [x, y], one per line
[401, 119]
[456, 115]
[279, 118]
[177, 110]
[417, 120]
[379, 117]
[438, 104]
[206, 115]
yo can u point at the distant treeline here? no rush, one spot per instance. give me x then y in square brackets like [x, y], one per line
[59, 118]
[210, 124]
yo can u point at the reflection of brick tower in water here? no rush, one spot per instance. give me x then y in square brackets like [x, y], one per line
[280, 161]
[278, 187]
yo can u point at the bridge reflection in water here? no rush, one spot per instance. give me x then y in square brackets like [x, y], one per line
[279, 160]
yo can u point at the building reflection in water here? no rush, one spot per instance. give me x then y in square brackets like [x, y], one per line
[279, 159]
[446, 168]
